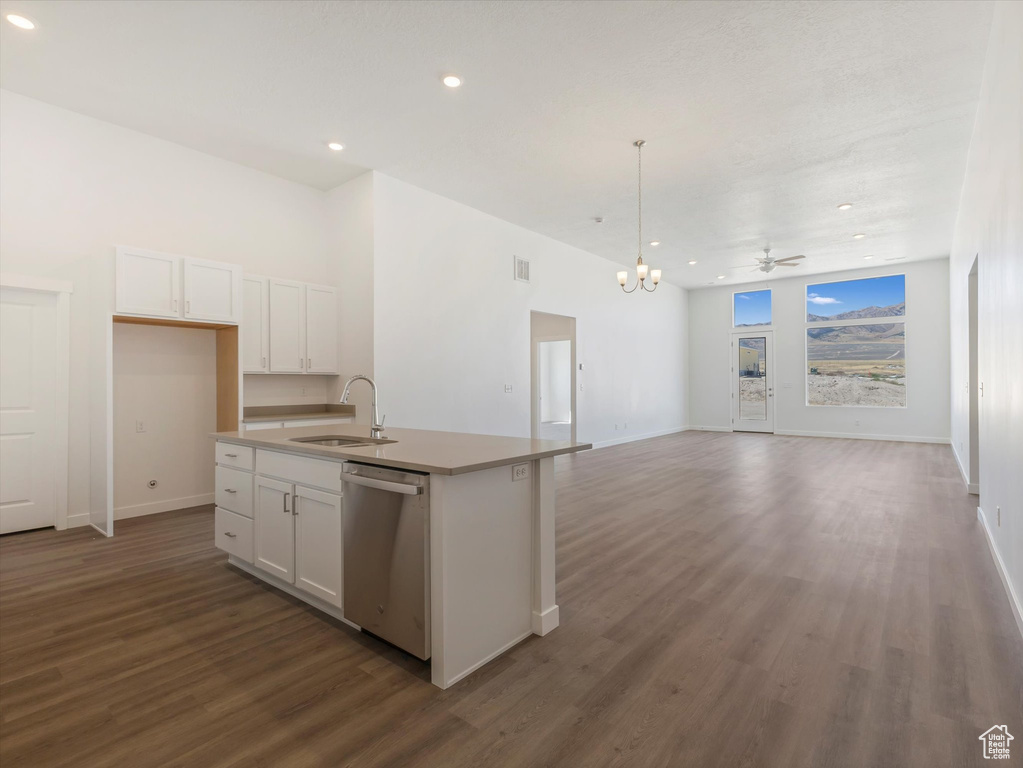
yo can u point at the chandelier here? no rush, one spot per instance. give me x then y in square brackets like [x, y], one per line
[641, 269]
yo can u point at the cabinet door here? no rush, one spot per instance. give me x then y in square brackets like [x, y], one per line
[255, 324]
[212, 291]
[321, 335]
[148, 283]
[275, 528]
[318, 546]
[287, 326]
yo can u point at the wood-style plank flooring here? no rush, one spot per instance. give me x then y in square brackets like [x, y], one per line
[732, 600]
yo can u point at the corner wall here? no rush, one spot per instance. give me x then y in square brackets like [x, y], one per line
[989, 227]
[452, 326]
[927, 327]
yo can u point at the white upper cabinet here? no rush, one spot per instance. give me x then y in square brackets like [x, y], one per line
[255, 324]
[321, 329]
[163, 285]
[287, 326]
[148, 283]
[212, 291]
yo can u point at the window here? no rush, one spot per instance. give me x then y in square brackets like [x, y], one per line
[751, 308]
[855, 346]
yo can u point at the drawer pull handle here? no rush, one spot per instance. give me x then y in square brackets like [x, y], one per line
[231, 490]
[286, 510]
[231, 455]
[231, 535]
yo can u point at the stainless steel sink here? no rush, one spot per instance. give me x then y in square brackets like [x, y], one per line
[335, 441]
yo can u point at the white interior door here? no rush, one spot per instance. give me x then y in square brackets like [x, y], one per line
[275, 528]
[28, 392]
[287, 326]
[321, 332]
[318, 544]
[752, 371]
[212, 290]
[255, 324]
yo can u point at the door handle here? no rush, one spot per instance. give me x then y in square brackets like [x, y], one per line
[309, 363]
[264, 362]
[301, 362]
[286, 510]
[294, 506]
[188, 307]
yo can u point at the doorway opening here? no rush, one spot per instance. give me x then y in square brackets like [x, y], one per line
[553, 370]
[752, 371]
[973, 483]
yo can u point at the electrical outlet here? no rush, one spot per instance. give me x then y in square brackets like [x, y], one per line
[507, 389]
[520, 472]
[857, 422]
[303, 391]
[580, 386]
[140, 426]
[616, 427]
[625, 425]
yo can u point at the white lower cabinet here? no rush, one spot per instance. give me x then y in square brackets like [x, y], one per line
[298, 537]
[318, 544]
[233, 534]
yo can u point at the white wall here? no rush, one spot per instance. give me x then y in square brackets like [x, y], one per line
[73, 187]
[990, 223]
[167, 378]
[282, 389]
[927, 359]
[452, 327]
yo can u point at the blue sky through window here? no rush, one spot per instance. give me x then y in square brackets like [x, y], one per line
[752, 308]
[831, 299]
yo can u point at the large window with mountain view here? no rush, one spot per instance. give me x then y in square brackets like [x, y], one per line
[856, 342]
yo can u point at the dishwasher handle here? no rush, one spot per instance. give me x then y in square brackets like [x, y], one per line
[381, 485]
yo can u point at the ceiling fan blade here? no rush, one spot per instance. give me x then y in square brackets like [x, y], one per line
[783, 264]
[788, 258]
[756, 269]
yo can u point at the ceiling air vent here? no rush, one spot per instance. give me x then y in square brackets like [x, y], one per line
[521, 270]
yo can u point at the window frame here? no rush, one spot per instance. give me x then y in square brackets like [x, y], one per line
[760, 327]
[809, 324]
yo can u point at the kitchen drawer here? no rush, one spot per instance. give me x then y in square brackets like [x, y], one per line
[234, 490]
[318, 422]
[303, 470]
[231, 455]
[234, 534]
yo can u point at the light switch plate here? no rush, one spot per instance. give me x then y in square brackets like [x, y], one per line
[520, 472]
[507, 389]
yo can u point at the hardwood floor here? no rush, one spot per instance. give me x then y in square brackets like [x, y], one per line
[733, 600]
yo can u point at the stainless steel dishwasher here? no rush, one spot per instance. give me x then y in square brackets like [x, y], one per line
[387, 554]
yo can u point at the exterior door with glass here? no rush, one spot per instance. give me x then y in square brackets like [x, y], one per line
[752, 371]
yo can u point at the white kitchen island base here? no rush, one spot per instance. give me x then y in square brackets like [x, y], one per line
[489, 539]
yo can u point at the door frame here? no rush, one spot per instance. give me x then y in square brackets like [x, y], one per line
[534, 366]
[734, 337]
[62, 290]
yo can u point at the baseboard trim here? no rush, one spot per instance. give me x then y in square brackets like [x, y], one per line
[78, 521]
[634, 438]
[709, 429]
[546, 621]
[854, 436]
[167, 505]
[468, 671]
[1003, 574]
[973, 488]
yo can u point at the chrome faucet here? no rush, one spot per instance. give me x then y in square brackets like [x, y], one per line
[378, 424]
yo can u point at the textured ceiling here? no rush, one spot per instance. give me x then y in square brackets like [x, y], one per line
[760, 118]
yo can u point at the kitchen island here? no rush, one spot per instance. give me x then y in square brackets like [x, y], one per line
[487, 537]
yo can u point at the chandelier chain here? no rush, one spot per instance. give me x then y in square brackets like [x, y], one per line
[639, 146]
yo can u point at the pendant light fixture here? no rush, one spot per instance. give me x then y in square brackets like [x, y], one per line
[642, 270]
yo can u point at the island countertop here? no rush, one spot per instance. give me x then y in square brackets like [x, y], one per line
[443, 453]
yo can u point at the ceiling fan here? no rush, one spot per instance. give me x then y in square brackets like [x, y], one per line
[767, 263]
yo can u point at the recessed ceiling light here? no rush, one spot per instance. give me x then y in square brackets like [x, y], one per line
[845, 206]
[452, 81]
[721, 277]
[655, 243]
[691, 262]
[868, 257]
[20, 21]
[335, 146]
[859, 236]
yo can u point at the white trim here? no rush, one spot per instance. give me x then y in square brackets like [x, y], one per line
[167, 505]
[645, 436]
[973, 488]
[1003, 574]
[697, 428]
[546, 621]
[854, 436]
[481, 662]
[78, 521]
[33, 283]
